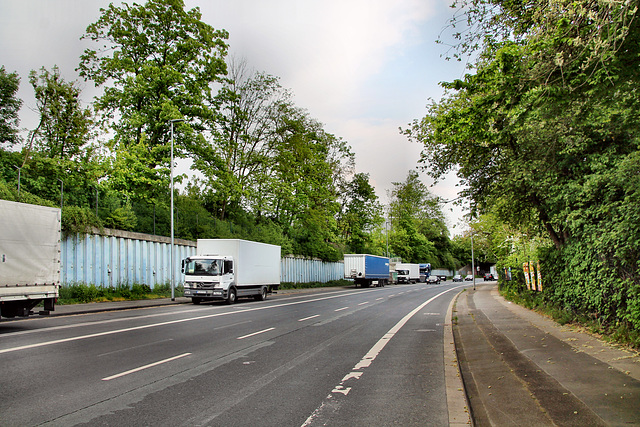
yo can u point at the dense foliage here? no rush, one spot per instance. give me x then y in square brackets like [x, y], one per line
[9, 106]
[264, 169]
[544, 136]
[418, 230]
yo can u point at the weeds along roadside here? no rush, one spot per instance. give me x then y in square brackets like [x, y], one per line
[82, 293]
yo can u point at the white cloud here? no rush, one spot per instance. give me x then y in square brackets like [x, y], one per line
[325, 50]
[381, 152]
[361, 67]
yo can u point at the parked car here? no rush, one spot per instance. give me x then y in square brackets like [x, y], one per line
[457, 278]
[434, 278]
[488, 276]
[468, 277]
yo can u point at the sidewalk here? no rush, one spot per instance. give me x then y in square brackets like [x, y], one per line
[520, 368]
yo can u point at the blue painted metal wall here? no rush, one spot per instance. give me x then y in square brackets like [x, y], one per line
[303, 270]
[121, 258]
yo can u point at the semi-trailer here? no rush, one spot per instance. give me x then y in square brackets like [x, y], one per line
[29, 258]
[366, 270]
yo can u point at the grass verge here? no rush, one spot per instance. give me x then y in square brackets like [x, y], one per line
[620, 334]
[80, 293]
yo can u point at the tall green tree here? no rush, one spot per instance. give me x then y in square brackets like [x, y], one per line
[9, 107]
[59, 151]
[419, 233]
[544, 134]
[361, 213]
[156, 62]
[303, 194]
[64, 129]
[236, 159]
[529, 124]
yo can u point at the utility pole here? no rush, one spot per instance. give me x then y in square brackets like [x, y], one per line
[473, 266]
[61, 192]
[19, 171]
[172, 267]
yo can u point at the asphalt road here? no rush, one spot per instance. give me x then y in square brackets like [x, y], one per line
[353, 357]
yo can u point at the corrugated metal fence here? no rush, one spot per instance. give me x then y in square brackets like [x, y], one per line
[117, 257]
[303, 270]
[121, 258]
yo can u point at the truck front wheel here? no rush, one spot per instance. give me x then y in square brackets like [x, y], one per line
[196, 300]
[231, 299]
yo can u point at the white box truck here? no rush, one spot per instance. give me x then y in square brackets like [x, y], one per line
[408, 273]
[228, 269]
[29, 258]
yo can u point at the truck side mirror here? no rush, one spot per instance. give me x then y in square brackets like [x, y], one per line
[182, 266]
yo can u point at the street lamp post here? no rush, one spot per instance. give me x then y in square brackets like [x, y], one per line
[61, 192]
[171, 266]
[19, 170]
[473, 267]
[386, 229]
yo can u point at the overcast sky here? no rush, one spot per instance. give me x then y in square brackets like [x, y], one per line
[363, 68]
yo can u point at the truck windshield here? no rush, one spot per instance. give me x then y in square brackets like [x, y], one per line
[204, 267]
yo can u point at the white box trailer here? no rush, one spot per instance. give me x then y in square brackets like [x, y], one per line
[408, 273]
[29, 257]
[228, 269]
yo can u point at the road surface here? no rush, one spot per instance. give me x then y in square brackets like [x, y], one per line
[371, 356]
